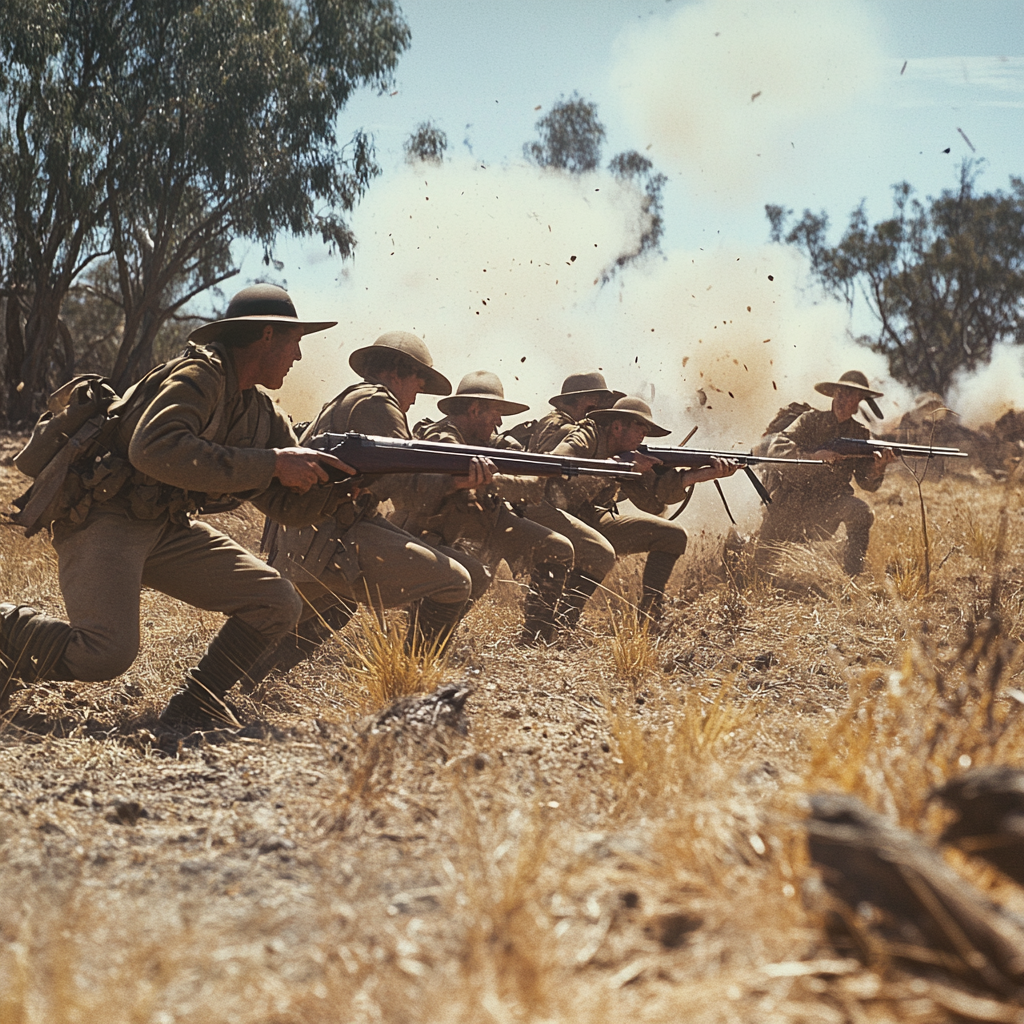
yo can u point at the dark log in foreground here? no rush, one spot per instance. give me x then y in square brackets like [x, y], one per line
[990, 805]
[925, 912]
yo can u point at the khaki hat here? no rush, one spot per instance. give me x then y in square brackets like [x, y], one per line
[414, 349]
[260, 303]
[855, 381]
[636, 408]
[483, 385]
[577, 384]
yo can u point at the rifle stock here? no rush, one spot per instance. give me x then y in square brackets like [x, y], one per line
[370, 455]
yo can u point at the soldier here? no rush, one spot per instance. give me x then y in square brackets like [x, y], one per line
[481, 518]
[810, 502]
[581, 393]
[361, 557]
[604, 434]
[195, 433]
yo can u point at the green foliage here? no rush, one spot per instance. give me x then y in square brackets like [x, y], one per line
[157, 132]
[570, 137]
[944, 278]
[636, 168]
[428, 144]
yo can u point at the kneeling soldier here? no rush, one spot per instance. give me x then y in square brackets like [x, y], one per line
[481, 518]
[604, 434]
[360, 556]
[195, 433]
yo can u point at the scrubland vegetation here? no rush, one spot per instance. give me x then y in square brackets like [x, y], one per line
[616, 836]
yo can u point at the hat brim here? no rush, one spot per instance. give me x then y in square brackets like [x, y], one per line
[653, 430]
[830, 387]
[434, 383]
[451, 404]
[612, 396]
[217, 329]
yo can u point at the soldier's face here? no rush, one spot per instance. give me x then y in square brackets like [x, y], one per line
[275, 354]
[624, 435]
[405, 389]
[482, 420]
[845, 403]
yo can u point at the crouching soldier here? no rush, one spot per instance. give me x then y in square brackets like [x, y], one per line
[604, 434]
[195, 433]
[481, 518]
[811, 502]
[360, 557]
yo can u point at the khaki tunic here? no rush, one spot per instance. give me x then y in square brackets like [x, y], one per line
[479, 519]
[359, 555]
[551, 430]
[594, 500]
[187, 441]
[809, 501]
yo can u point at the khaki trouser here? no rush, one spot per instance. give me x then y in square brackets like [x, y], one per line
[104, 564]
[636, 532]
[521, 542]
[395, 569]
[594, 556]
[787, 521]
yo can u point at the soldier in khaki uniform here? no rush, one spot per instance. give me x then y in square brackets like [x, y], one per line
[604, 434]
[481, 518]
[810, 502]
[195, 433]
[362, 557]
[581, 394]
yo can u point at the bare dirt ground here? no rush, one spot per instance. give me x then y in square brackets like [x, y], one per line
[616, 835]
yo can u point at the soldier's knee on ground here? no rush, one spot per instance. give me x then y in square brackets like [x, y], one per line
[91, 659]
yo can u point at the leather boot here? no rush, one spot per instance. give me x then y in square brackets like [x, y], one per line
[856, 551]
[432, 625]
[578, 590]
[299, 644]
[546, 585]
[657, 571]
[200, 703]
[32, 648]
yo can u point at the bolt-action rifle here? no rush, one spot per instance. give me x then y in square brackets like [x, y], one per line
[694, 458]
[857, 448]
[370, 456]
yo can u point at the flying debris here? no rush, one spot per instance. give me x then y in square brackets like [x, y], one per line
[904, 68]
[967, 140]
[755, 95]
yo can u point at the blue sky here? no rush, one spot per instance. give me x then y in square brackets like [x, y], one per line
[804, 103]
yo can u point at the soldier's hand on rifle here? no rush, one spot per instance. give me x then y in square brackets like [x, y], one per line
[641, 461]
[481, 473]
[825, 455]
[718, 469]
[883, 459]
[300, 469]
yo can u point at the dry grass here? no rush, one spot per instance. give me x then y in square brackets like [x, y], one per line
[618, 836]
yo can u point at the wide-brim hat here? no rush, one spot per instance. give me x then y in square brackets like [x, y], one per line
[853, 380]
[260, 303]
[410, 346]
[637, 409]
[579, 384]
[482, 385]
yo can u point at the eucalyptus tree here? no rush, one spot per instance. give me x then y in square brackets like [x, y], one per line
[943, 278]
[154, 134]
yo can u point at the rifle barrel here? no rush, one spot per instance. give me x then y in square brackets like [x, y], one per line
[693, 457]
[369, 454]
[918, 450]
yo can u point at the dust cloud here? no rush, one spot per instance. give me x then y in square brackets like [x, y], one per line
[983, 396]
[503, 269]
[721, 90]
